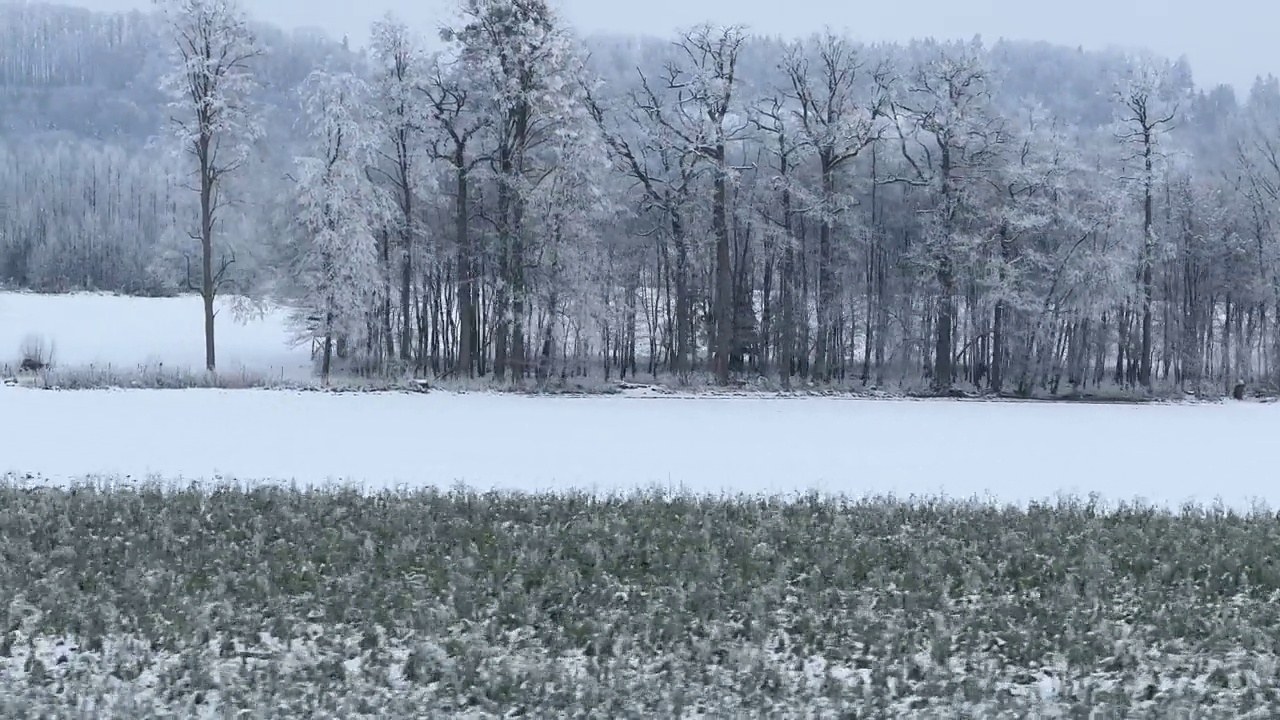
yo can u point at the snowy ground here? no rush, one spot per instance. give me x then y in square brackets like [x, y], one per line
[1165, 454]
[1014, 451]
[100, 330]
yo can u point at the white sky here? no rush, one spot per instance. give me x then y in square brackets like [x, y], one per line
[1226, 40]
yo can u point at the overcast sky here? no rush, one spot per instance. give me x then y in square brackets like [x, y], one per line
[1226, 40]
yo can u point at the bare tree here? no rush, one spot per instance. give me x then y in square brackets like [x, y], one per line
[955, 138]
[700, 117]
[455, 126]
[775, 119]
[1146, 115]
[665, 171]
[213, 49]
[839, 115]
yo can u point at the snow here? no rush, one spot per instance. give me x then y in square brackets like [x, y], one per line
[1166, 454]
[107, 330]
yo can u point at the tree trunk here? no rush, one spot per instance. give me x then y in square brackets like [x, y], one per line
[517, 359]
[207, 283]
[406, 302]
[406, 254]
[1148, 243]
[326, 362]
[944, 341]
[999, 353]
[826, 276]
[684, 303]
[723, 312]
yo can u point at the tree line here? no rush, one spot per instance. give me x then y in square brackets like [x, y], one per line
[512, 201]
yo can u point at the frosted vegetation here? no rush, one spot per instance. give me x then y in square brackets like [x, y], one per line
[715, 206]
[207, 602]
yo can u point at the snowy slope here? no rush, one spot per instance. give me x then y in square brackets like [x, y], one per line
[97, 329]
[1014, 451]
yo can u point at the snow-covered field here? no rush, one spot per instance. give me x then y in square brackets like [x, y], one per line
[101, 330]
[1013, 451]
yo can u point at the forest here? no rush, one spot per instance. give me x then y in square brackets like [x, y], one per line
[507, 199]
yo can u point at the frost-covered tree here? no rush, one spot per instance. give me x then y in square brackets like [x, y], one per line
[1056, 251]
[457, 122]
[839, 104]
[693, 111]
[1255, 140]
[953, 139]
[1023, 268]
[663, 175]
[522, 59]
[336, 266]
[1147, 110]
[786, 149]
[399, 68]
[209, 84]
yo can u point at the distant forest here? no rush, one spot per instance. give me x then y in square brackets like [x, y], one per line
[514, 201]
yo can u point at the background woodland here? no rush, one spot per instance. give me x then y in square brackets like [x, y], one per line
[506, 199]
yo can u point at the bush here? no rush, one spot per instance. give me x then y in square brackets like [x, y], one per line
[36, 354]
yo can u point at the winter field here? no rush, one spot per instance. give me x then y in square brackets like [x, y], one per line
[1166, 454]
[190, 553]
[127, 334]
[1014, 452]
[274, 603]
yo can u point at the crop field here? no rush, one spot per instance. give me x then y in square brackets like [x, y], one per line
[153, 601]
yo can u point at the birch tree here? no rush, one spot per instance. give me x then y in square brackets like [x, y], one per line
[208, 85]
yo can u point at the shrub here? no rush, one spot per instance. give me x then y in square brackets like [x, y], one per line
[36, 353]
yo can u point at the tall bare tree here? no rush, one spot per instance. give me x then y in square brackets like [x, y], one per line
[213, 52]
[839, 115]
[775, 118]
[1146, 114]
[456, 124]
[696, 107]
[955, 138]
[665, 172]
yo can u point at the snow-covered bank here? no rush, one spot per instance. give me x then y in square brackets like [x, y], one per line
[1013, 451]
